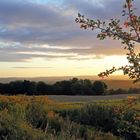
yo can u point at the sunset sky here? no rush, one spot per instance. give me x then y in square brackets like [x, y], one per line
[41, 38]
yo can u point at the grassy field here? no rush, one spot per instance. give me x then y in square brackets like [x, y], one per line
[42, 118]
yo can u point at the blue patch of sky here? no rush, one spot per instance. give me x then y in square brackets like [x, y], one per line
[54, 2]
[2, 29]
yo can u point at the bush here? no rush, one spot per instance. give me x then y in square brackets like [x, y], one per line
[37, 118]
[107, 119]
[12, 127]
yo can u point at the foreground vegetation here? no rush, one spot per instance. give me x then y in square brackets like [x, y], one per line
[38, 118]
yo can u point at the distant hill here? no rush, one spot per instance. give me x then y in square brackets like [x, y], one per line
[124, 84]
[114, 82]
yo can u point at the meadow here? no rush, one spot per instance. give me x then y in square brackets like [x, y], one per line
[40, 118]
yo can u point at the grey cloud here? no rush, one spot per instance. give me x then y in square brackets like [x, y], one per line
[13, 57]
[10, 57]
[100, 9]
[26, 14]
[85, 58]
[20, 53]
[17, 57]
[37, 24]
[34, 23]
[24, 52]
[96, 48]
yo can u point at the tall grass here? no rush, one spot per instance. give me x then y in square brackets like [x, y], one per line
[38, 118]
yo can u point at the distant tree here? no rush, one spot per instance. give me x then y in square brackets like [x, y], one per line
[41, 88]
[3, 88]
[16, 87]
[21, 87]
[87, 87]
[73, 80]
[32, 88]
[77, 88]
[128, 33]
[29, 88]
[57, 90]
[134, 90]
[99, 87]
[117, 91]
[63, 87]
[66, 87]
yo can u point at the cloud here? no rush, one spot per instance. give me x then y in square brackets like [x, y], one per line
[26, 26]
[32, 67]
[19, 52]
[25, 14]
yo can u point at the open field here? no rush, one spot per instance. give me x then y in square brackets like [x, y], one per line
[64, 98]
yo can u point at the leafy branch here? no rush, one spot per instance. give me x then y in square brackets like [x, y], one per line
[128, 33]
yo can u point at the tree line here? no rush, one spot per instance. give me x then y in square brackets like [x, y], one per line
[66, 87]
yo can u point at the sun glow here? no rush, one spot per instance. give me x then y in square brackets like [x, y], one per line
[60, 67]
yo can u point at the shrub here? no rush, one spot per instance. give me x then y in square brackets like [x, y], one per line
[108, 119]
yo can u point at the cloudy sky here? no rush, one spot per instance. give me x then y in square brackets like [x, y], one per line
[41, 38]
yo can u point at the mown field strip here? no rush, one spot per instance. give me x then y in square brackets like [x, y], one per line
[64, 98]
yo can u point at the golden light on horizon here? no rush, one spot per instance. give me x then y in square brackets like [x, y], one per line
[61, 67]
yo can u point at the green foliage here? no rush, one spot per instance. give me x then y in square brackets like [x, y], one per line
[100, 117]
[128, 125]
[66, 87]
[33, 118]
[12, 127]
[99, 87]
[118, 120]
[36, 113]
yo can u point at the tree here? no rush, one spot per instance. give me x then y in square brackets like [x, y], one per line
[99, 87]
[62, 87]
[87, 87]
[128, 33]
[41, 88]
[77, 88]
[81, 87]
